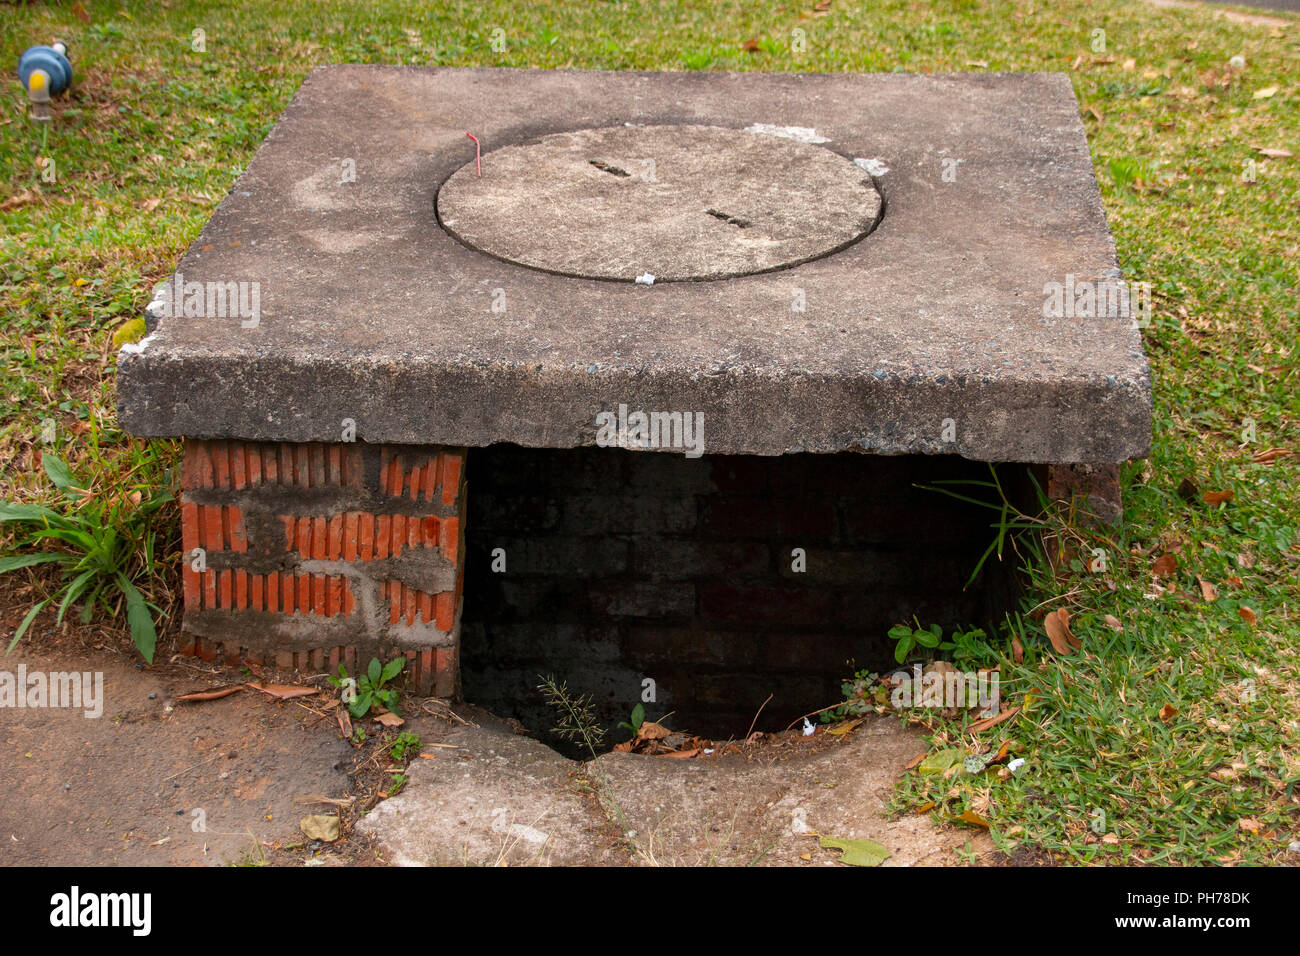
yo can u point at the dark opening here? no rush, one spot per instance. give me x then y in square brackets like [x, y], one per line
[624, 566]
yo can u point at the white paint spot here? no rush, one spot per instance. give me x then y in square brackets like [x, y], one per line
[808, 728]
[1015, 765]
[803, 134]
[875, 167]
[135, 348]
[645, 279]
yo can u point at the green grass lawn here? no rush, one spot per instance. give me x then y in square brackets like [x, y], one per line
[155, 132]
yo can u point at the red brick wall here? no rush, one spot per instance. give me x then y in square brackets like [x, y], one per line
[317, 554]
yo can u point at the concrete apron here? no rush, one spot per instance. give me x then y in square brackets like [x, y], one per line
[502, 799]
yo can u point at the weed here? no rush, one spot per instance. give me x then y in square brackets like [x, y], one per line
[105, 546]
[576, 721]
[372, 687]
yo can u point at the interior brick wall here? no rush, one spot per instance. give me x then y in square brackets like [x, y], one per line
[626, 565]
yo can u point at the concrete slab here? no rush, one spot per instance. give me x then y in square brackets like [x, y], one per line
[367, 310]
[505, 799]
[498, 799]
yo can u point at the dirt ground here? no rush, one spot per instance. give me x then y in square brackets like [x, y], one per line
[156, 781]
[161, 783]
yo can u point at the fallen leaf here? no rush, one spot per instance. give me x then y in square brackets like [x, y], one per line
[914, 762]
[344, 721]
[1057, 624]
[1207, 589]
[941, 760]
[17, 202]
[624, 748]
[844, 727]
[805, 856]
[1017, 650]
[210, 694]
[1235, 581]
[1273, 152]
[681, 754]
[1247, 615]
[80, 13]
[1265, 93]
[284, 691]
[1168, 711]
[320, 826]
[1270, 455]
[857, 852]
[1110, 839]
[750, 46]
[649, 730]
[1217, 497]
[971, 817]
[1113, 622]
[149, 205]
[389, 719]
[925, 807]
[1129, 64]
[1164, 566]
[987, 722]
[160, 842]
[1249, 824]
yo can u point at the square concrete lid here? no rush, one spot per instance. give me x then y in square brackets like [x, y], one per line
[371, 311]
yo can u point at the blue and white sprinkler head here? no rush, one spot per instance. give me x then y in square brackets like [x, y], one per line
[44, 72]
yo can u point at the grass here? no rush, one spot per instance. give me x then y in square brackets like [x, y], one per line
[155, 132]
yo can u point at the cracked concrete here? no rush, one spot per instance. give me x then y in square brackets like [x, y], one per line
[499, 798]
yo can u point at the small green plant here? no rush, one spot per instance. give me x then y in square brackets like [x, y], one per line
[910, 639]
[964, 647]
[861, 694]
[399, 781]
[106, 545]
[637, 719]
[406, 745]
[576, 720]
[371, 688]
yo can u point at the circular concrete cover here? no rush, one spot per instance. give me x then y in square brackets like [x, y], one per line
[673, 202]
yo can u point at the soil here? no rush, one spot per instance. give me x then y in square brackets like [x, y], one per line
[157, 782]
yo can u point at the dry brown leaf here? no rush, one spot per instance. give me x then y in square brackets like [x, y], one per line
[1207, 589]
[1217, 497]
[1247, 615]
[680, 753]
[284, 691]
[972, 818]
[210, 694]
[344, 721]
[1017, 650]
[750, 46]
[1057, 624]
[79, 11]
[1249, 824]
[1168, 711]
[1274, 152]
[1113, 622]
[1270, 455]
[17, 202]
[1164, 566]
[987, 722]
[624, 748]
[1235, 581]
[649, 730]
[914, 762]
[925, 807]
[389, 719]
